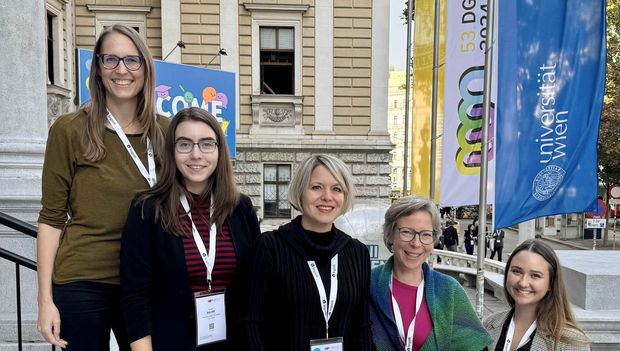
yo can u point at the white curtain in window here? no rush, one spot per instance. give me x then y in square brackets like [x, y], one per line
[267, 38]
[286, 38]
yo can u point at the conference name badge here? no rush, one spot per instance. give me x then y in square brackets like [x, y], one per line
[210, 317]
[330, 344]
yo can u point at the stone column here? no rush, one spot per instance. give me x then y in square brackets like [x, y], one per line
[23, 112]
[380, 67]
[324, 68]
[170, 29]
[527, 230]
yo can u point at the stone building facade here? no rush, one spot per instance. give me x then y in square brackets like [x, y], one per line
[336, 102]
[330, 98]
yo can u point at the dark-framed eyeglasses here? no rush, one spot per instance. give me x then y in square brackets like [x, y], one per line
[408, 234]
[132, 62]
[185, 146]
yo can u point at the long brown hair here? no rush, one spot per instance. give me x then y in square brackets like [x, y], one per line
[553, 312]
[167, 191]
[92, 135]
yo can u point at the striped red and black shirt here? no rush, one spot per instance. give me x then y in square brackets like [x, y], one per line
[225, 258]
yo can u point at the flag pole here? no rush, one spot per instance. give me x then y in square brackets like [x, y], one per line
[407, 94]
[486, 105]
[434, 101]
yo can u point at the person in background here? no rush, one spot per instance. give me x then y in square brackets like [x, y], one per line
[96, 160]
[540, 316]
[470, 237]
[309, 281]
[498, 244]
[414, 307]
[192, 233]
[451, 236]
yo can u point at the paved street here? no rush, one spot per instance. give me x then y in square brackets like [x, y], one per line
[511, 238]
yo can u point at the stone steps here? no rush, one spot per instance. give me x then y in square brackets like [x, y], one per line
[37, 346]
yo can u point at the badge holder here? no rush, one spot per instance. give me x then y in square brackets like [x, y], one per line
[329, 344]
[210, 317]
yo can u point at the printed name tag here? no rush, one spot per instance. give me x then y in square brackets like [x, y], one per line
[331, 344]
[210, 317]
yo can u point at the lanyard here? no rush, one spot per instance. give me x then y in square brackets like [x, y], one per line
[511, 331]
[208, 259]
[150, 175]
[333, 290]
[408, 340]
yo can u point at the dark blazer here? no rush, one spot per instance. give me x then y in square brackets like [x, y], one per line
[156, 296]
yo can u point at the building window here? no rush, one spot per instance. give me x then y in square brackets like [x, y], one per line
[276, 48]
[109, 15]
[277, 60]
[276, 179]
[51, 22]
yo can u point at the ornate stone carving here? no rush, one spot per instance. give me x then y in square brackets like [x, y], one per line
[277, 115]
[58, 102]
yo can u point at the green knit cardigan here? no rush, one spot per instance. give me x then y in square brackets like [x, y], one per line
[455, 324]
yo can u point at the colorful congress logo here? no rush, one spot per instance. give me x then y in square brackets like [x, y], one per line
[212, 101]
[178, 86]
[469, 131]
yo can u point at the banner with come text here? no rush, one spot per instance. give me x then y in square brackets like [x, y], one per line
[551, 86]
[466, 33]
[178, 86]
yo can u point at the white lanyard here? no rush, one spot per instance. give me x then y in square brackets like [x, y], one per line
[333, 290]
[408, 341]
[150, 176]
[208, 259]
[511, 331]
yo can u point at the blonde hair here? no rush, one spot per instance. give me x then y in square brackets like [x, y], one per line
[405, 206]
[336, 167]
[96, 111]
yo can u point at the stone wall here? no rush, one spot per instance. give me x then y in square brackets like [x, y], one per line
[369, 165]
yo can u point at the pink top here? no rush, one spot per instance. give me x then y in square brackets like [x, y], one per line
[405, 295]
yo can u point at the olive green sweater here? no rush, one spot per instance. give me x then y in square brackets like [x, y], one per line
[88, 201]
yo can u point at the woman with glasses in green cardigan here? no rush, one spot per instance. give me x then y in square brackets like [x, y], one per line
[414, 307]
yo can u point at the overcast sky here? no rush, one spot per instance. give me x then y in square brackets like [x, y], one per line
[398, 35]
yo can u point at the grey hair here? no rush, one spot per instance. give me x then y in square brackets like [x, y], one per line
[405, 206]
[336, 167]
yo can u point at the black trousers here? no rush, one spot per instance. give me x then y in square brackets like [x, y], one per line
[499, 253]
[88, 311]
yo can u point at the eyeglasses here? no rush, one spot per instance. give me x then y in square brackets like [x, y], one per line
[408, 234]
[185, 146]
[132, 62]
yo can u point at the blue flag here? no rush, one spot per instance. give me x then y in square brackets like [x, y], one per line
[551, 83]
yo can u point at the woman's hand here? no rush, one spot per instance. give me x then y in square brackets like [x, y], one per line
[48, 324]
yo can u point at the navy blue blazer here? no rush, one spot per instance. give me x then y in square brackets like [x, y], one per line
[156, 296]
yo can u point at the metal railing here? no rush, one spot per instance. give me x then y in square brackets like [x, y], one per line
[20, 261]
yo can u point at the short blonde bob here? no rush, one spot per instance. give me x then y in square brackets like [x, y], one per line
[336, 167]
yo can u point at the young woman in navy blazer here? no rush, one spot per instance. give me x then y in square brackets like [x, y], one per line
[161, 267]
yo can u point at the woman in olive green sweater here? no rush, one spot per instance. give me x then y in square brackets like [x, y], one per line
[96, 160]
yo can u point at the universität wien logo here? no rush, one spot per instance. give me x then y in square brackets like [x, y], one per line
[547, 182]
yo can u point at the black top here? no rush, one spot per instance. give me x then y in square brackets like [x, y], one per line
[157, 299]
[502, 337]
[450, 236]
[284, 307]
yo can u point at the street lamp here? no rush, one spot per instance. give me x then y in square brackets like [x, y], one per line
[179, 44]
[222, 52]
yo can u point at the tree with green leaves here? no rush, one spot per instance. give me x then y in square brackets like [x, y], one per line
[609, 132]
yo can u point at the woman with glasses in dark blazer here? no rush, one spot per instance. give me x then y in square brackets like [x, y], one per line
[186, 244]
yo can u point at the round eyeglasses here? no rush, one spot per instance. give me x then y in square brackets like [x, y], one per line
[132, 62]
[408, 234]
[185, 146]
